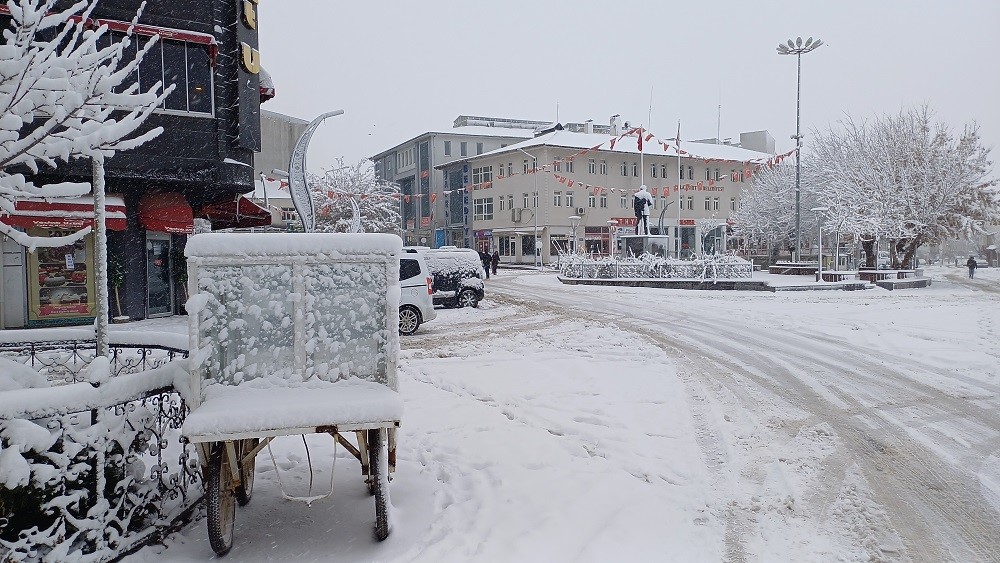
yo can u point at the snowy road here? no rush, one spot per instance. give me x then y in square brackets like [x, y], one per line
[562, 423]
[906, 395]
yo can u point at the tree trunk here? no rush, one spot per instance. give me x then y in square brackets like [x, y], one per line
[911, 251]
[869, 247]
[100, 257]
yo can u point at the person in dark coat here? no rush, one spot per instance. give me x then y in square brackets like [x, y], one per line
[485, 259]
[971, 263]
[495, 261]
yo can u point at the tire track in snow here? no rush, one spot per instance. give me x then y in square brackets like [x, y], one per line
[917, 483]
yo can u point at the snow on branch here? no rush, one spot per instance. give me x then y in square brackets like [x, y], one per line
[63, 96]
[377, 200]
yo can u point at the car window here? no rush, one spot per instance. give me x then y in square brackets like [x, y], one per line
[408, 269]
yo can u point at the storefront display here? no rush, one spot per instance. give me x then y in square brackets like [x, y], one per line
[61, 280]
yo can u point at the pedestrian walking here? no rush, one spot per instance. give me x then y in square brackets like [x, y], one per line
[485, 259]
[495, 261]
[971, 263]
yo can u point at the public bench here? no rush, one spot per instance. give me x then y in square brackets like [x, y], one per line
[793, 268]
[838, 276]
[880, 275]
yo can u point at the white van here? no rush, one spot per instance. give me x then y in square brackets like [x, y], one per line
[416, 304]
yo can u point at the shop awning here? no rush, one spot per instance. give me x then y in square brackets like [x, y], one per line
[65, 213]
[236, 213]
[166, 212]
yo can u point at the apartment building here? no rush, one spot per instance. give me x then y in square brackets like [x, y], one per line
[523, 196]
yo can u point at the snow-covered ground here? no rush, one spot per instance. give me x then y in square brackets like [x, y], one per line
[582, 423]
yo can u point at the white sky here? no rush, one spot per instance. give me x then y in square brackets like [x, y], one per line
[400, 69]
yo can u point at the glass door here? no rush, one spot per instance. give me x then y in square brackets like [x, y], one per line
[159, 275]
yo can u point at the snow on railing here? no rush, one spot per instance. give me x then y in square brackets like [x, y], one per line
[578, 266]
[91, 472]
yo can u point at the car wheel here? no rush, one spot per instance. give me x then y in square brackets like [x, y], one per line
[409, 320]
[468, 298]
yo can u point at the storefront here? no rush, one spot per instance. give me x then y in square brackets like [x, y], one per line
[55, 285]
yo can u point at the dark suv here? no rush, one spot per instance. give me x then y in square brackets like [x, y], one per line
[458, 275]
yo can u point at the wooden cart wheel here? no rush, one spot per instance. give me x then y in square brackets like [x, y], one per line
[220, 499]
[245, 489]
[379, 458]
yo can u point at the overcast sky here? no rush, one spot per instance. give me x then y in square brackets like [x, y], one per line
[399, 69]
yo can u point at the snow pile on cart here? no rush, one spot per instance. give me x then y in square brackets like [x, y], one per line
[291, 334]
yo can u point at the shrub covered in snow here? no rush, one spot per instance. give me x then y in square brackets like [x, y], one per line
[654, 267]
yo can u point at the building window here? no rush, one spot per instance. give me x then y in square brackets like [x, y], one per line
[680, 169]
[464, 147]
[604, 167]
[501, 203]
[558, 166]
[663, 171]
[482, 209]
[525, 166]
[569, 166]
[447, 148]
[623, 202]
[592, 166]
[557, 199]
[732, 174]
[691, 202]
[185, 65]
[708, 173]
[500, 171]
[510, 201]
[635, 169]
[708, 204]
[510, 168]
[652, 170]
[624, 169]
[482, 174]
[508, 246]
[718, 175]
[569, 199]
[525, 200]
[534, 200]
[591, 201]
[479, 148]
[715, 204]
[732, 204]
[663, 200]
[604, 201]
[690, 172]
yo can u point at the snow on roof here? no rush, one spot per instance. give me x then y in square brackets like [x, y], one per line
[272, 188]
[291, 244]
[484, 131]
[627, 144]
[470, 131]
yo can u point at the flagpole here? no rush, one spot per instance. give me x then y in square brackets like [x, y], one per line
[677, 230]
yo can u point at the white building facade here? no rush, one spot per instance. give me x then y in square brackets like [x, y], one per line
[586, 175]
[428, 216]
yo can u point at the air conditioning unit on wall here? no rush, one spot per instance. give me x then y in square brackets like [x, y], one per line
[581, 210]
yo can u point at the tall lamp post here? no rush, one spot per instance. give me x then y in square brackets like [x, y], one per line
[797, 48]
[574, 220]
[611, 238]
[534, 214]
[819, 213]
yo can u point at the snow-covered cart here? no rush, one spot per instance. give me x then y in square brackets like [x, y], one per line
[291, 334]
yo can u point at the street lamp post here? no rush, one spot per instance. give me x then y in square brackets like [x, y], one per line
[819, 269]
[574, 220]
[611, 238]
[534, 214]
[797, 48]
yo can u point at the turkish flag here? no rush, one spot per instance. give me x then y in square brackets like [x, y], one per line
[640, 139]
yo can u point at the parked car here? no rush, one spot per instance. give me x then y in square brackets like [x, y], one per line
[458, 275]
[415, 287]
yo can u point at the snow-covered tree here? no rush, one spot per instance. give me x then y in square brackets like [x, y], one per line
[334, 190]
[905, 179]
[767, 206]
[64, 97]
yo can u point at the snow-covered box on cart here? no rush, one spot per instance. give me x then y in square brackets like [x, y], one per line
[291, 334]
